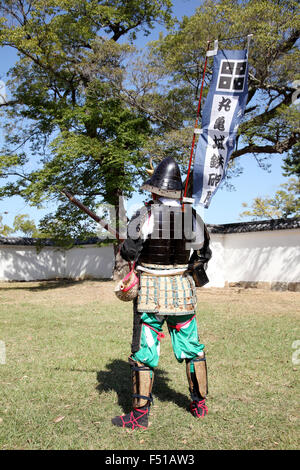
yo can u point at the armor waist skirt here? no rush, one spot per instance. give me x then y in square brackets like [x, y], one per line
[167, 294]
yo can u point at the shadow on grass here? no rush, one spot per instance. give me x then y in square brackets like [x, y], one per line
[47, 285]
[118, 378]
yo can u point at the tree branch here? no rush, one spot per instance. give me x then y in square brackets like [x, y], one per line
[9, 103]
[279, 147]
[267, 115]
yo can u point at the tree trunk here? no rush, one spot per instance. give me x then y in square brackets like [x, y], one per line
[121, 267]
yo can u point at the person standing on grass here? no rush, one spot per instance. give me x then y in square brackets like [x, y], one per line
[161, 238]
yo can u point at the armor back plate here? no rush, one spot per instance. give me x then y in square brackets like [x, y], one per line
[168, 244]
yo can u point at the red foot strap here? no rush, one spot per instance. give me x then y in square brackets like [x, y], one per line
[134, 420]
[199, 408]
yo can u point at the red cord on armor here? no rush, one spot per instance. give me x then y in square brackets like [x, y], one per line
[160, 335]
[180, 325]
[134, 420]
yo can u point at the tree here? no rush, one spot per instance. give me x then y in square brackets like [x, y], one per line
[89, 110]
[65, 122]
[271, 123]
[23, 223]
[5, 230]
[285, 203]
[291, 165]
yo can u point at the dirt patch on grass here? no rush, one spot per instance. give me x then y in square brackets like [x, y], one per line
[84, 292]
[68, 292]
[265, 301]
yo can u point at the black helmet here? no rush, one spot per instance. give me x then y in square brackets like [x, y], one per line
[166, 180]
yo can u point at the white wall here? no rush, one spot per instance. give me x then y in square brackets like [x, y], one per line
[266, 256]
[216, 267]
[24, 263]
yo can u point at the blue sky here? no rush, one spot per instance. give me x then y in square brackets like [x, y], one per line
[225, 206]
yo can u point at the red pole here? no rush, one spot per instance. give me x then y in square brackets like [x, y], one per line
[196, 124]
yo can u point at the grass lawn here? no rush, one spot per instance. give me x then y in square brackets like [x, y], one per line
[66, 373]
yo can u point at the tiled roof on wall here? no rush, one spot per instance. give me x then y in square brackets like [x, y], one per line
[240, 227]
[25, 241]
[256, 226]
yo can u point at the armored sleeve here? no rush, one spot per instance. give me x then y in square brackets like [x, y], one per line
[133, 245]
[201, 253]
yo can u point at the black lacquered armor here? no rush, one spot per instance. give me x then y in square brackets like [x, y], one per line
[166, 179]
[169, 242]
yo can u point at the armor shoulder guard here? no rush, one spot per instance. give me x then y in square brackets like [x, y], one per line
[203, 254]
[132, 246]
[136, 222]
[205, 251]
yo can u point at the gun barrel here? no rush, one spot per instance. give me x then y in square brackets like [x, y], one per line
[92, 214]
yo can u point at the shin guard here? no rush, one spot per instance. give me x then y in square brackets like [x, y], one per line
[142, 381]
[196, 372]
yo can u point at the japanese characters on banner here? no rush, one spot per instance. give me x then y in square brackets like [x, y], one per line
[224, 107]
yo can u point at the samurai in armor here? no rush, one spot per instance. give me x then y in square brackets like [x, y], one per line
[166, 243]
